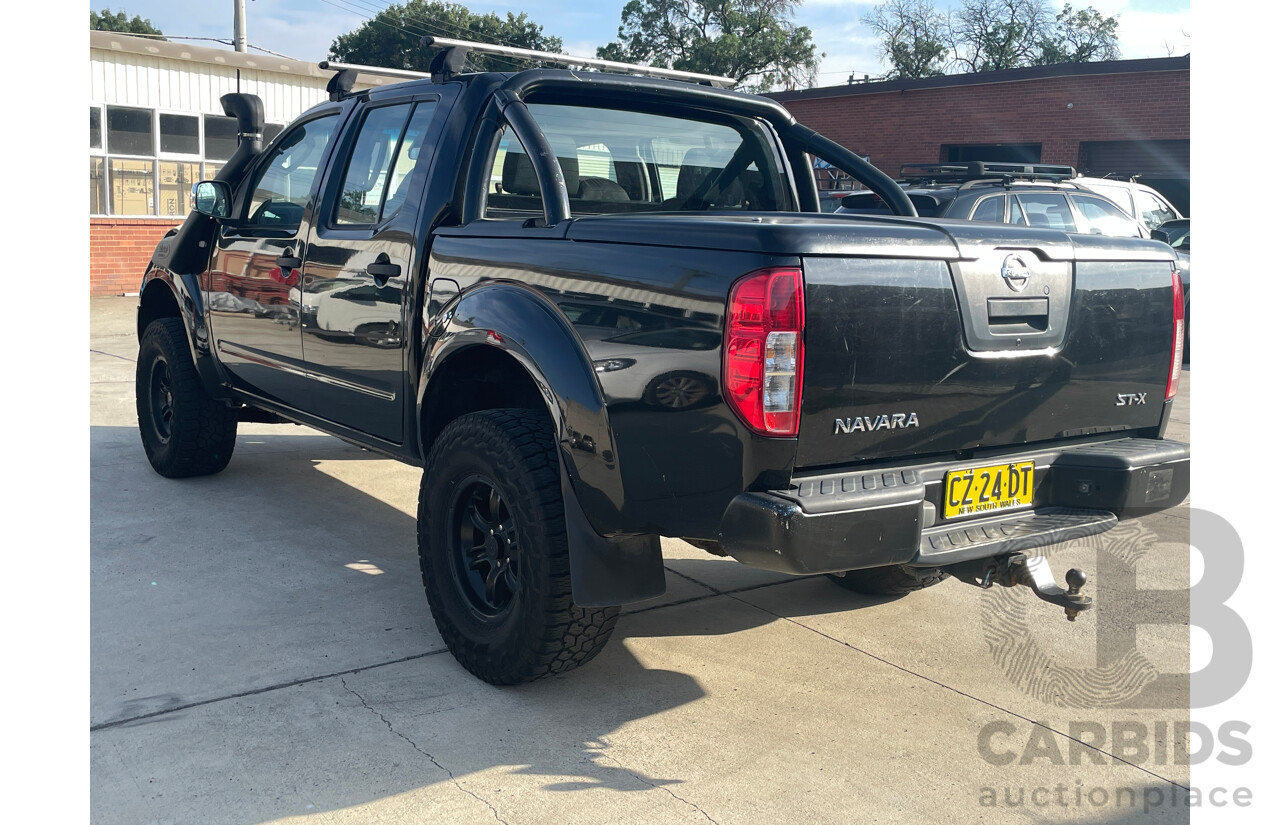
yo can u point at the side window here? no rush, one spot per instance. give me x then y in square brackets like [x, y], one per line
[1016, 216]
[1101, 217]
[365, 178]
[1048, 209]
[285, 183]
[989, 209]
[1152, 210]
[407, 157]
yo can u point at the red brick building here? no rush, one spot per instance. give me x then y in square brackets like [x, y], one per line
[1124, 117]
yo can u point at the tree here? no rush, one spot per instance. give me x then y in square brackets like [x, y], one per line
[392, 39]
[105, 21]
[988, 35]
[911, 34]
[752, 41]
[1080, 37]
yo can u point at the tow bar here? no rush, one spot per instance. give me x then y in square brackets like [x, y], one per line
[1033, 572]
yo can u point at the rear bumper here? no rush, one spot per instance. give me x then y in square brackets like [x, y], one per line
[848, 521]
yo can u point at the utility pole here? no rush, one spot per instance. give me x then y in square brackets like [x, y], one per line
[241, 39]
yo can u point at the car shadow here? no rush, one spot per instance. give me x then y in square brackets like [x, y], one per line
[226, 609]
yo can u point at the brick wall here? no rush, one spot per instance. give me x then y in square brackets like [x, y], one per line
[911, 125]
[119, 249]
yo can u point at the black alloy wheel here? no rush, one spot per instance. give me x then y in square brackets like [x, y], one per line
[484, 548]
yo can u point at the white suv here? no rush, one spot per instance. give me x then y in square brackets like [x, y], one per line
[1138, 200]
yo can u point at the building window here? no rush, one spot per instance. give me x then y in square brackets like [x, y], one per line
[133, 189]
[129, 131]
[176, 180]
[97, 187]
[144, 162]
[219, 137]
[179, 135]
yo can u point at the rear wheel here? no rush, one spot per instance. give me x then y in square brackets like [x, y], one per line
[494, 552]
[895, 580]
[184, 431]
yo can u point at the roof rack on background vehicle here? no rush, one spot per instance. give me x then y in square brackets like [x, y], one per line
[979, 169]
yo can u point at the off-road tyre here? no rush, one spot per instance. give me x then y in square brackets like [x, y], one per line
[894, 580]
[494, 551]
[185, 432]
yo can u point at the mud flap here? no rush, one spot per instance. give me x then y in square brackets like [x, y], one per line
[608, 571]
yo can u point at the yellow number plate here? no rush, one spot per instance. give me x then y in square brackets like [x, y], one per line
[987, 489]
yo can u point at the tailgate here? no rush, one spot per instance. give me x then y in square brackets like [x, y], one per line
[1045, 337]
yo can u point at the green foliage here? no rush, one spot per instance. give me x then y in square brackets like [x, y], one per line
[392, 38]
[911, 33]
[752, 41]
[1080, 37]
[105, 21]
[987, 35]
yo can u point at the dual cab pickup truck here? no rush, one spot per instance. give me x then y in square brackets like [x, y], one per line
[598, 309]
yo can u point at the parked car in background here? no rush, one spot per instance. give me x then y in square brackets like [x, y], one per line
[1017, 193]
[1136, 199]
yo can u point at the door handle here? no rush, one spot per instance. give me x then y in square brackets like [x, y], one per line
[382, 269]
[287, 260]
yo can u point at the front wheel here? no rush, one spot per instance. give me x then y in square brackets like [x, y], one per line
[494, 552]
[184, 431]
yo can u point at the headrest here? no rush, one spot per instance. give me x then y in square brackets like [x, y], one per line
[601, 189]
[518, 177]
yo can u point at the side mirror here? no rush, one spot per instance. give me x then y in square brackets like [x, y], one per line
[212, 198]
[1161, 235]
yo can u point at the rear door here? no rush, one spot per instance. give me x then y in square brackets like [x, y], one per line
[254, 286]
[355, 299]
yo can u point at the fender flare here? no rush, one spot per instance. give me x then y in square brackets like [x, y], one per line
[608, 567]
[185, 292]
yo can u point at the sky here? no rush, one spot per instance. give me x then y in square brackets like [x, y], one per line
[303, 29]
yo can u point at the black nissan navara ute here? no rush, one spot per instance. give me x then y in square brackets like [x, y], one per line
[598, 309]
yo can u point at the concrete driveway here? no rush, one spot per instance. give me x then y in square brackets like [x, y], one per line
[262, 652]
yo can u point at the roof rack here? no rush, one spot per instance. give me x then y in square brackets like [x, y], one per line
[984, 169]
[594, 62]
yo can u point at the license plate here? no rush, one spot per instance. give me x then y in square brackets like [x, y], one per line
[988, 489]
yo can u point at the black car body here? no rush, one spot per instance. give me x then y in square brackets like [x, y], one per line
[869, 372]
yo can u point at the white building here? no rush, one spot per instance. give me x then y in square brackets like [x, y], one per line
[156, 127]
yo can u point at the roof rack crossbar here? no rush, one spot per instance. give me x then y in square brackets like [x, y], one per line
[594, 62]
[403, 74]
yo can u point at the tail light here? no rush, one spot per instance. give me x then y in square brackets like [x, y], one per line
[764, 350]
[1179, 322]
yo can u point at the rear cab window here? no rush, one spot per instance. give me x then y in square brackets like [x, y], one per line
[629, 161]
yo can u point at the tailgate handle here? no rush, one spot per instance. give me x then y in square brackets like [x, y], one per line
[1018, 315]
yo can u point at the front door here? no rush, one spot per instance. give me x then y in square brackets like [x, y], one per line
[354, 302]
[254, 286]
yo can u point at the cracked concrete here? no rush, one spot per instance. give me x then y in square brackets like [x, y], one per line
[453, 779]
[243, 673]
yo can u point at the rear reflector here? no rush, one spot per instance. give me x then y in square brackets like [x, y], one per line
[1179, 322]
[764, 350]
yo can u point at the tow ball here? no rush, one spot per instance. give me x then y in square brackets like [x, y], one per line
[1031, 571]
